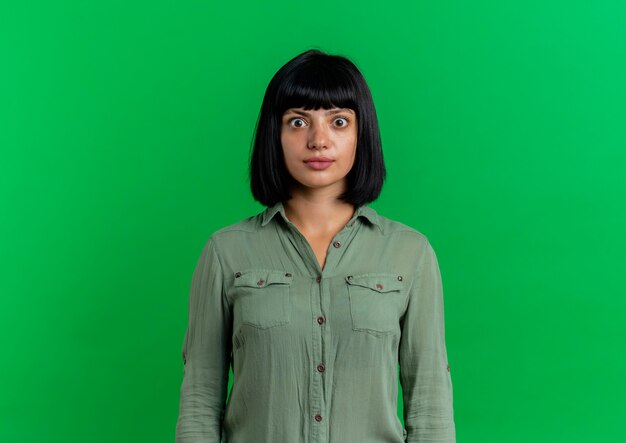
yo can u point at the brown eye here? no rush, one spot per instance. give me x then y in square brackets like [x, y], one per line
[343, 120]
[296, 122]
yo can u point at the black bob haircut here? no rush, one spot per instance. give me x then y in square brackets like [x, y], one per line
[314, 80]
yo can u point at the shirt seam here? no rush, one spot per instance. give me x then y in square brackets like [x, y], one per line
[214, 248]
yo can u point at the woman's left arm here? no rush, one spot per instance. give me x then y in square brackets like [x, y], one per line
[424, 369]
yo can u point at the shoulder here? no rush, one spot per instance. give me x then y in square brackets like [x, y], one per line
[398, 230]
[248, 224]
[235, 233]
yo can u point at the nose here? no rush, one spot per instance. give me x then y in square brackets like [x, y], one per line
[318, 136]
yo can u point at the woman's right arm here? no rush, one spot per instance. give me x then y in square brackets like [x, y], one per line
[206, 354]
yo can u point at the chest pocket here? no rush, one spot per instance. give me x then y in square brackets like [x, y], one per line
[377, 300]
[262, 297]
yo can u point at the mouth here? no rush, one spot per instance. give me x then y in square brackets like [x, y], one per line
[319, 163]
[319, 159]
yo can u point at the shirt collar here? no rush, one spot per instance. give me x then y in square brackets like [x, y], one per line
[361, 211]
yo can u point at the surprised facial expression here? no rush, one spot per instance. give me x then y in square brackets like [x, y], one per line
[319, 146]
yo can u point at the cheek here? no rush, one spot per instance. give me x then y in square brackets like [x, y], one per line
[352, 155]
[288, 146]
[287, 140]
[351, 146]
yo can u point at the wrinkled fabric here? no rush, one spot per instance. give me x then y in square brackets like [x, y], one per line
[316, 353]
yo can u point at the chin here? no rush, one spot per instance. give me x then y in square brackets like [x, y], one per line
[318, 183]
[317, 179]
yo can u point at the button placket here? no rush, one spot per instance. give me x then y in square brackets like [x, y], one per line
[337, 242]
[319, 339]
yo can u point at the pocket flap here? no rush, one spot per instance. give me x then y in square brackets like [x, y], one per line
[380, 282]
[260, 278]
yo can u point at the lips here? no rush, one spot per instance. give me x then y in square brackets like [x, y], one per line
[319, 159]
[319, 163]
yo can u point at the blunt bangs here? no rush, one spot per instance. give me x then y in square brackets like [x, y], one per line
[314, 86]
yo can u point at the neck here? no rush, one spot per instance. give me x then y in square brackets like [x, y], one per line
[318, 214]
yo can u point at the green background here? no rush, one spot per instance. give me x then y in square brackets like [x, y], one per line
[125, 130]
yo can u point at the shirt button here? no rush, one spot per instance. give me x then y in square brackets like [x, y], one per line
[318, 417]
[260, 282]
[321, 367]
[379, 286]
[320, 320]
[336, 244]
[237, 274]
[318, 279]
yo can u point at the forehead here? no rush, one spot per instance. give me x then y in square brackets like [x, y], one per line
[332, 111]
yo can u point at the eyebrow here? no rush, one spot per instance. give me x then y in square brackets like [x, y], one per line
[329, 112]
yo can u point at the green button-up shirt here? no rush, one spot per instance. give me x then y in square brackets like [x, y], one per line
[315, 352]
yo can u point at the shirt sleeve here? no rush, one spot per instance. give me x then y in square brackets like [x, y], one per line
[206, 354]
[424, 369]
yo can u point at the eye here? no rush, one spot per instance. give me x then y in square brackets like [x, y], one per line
[296, 122]
[344, 121]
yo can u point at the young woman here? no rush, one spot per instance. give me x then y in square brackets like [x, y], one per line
[316, 300]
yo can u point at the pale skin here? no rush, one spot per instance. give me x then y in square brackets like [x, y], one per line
[314, 208]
